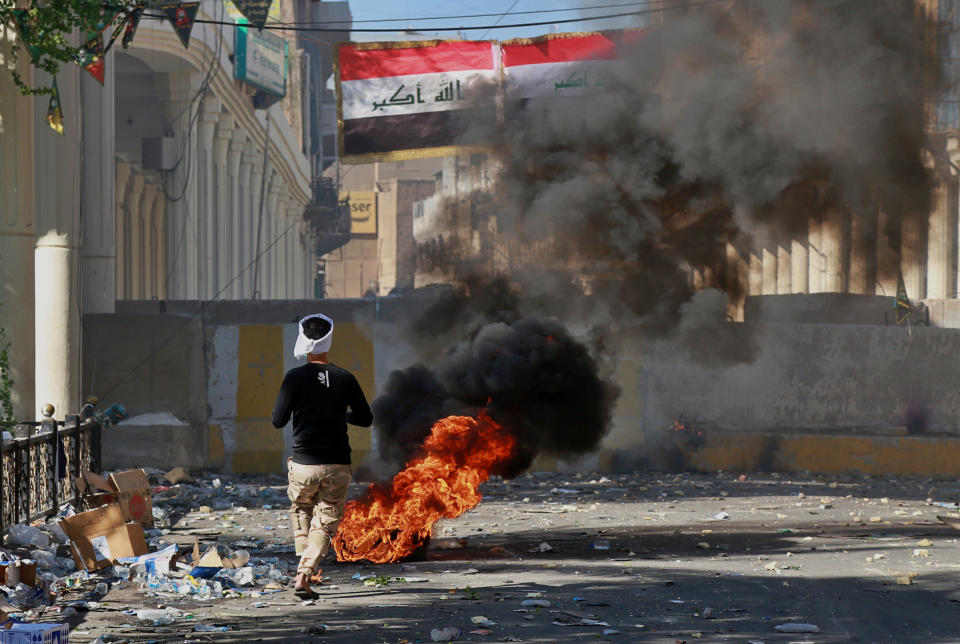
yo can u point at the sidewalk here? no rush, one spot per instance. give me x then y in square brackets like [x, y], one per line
[645, 558]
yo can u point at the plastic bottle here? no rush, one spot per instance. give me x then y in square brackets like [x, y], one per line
[158, 616]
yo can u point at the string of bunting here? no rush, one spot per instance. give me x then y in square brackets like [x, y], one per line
[92, 55]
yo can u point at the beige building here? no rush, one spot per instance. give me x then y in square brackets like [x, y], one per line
[380, 255]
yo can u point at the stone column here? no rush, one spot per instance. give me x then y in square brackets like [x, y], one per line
[268, 260]
[98, 212]
[912, 257]
[799, 266]
[234, 231]
[246, 220]
[736, 282]
[888, 256]
[124, 172]
[210, 114]
[218, 226]
[942, 235]
[156, 239]
[816, 260]
[833, 245]
[58, 161]
[131, 241]
[17, 228]
[756, 274]
[144, 244]
[182, 186]
[769, 275]
[258, 225]
[863, 252]
[784, 269]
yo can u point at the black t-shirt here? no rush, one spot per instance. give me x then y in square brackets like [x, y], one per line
[319, 396]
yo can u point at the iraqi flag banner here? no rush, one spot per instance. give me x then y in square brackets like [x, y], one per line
[559, 65]
[407, 100]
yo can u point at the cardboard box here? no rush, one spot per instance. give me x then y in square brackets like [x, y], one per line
[25, 573]
[132, 491]
[159, 561]
[98, 537]
[20, 633]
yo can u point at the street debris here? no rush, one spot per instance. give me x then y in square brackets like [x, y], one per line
[796, 627]
[210, 557]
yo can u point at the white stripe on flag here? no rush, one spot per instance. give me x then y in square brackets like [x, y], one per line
[417, 93]
[574, 78]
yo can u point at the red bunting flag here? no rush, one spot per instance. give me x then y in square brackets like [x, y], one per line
[181, 16]
[91, 56]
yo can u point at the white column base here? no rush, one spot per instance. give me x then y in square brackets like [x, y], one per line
[57, 328]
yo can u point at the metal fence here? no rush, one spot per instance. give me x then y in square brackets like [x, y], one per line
[39, 467]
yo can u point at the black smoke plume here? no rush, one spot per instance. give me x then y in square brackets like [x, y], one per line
[724, 129]
[531, 376]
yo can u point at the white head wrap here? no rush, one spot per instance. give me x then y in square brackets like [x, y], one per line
[305, 345]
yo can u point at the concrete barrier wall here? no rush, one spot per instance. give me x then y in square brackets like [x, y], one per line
[813, 377]
[223, 367]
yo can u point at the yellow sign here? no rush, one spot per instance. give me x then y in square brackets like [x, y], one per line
[363, 212]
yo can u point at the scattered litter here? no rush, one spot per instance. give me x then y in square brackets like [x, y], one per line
[178, 475]
[481, 620]
[544, 547]
[601, 545]
[796, 627]
[535, 603]
[447, 634]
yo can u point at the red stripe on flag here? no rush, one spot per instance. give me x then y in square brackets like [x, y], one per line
[443, 57]
[561, 50]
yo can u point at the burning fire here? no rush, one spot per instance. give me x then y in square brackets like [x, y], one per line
[388, 524]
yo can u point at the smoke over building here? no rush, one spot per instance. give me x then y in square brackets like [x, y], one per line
[738, 148]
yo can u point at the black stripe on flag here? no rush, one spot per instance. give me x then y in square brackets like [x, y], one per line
[380, 134]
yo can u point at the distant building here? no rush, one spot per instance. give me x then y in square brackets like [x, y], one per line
[379, 259]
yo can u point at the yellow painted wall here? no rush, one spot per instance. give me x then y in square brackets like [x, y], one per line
[252, 444]
[257, 445]
[352, 349]
[901, 455]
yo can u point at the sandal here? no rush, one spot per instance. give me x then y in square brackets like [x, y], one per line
[306, 593]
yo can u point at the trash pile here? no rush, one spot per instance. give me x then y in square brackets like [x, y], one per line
[125, 538]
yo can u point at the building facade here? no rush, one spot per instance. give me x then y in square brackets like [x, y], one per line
[172, 180]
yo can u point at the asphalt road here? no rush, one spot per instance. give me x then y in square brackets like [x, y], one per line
[640, 558]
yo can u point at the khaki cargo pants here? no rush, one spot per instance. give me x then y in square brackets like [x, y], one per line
[317, 494]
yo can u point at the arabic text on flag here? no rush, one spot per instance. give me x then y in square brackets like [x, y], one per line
[563, 64]
[395, 102]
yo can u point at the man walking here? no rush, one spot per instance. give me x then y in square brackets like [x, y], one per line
[322, 398]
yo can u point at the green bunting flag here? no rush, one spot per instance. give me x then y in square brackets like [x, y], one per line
[54, 112]
[255, 11]
[902, 302]
[181, 16]
[131, 23]
[90, 56]
[25, 29]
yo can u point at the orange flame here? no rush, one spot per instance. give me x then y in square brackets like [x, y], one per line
[388, 524]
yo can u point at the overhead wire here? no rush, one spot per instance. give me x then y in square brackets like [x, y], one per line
[499, 18]
[478, 15]
[541, 23]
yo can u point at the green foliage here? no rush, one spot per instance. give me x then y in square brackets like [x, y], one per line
[6, 383]
[54, 31]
